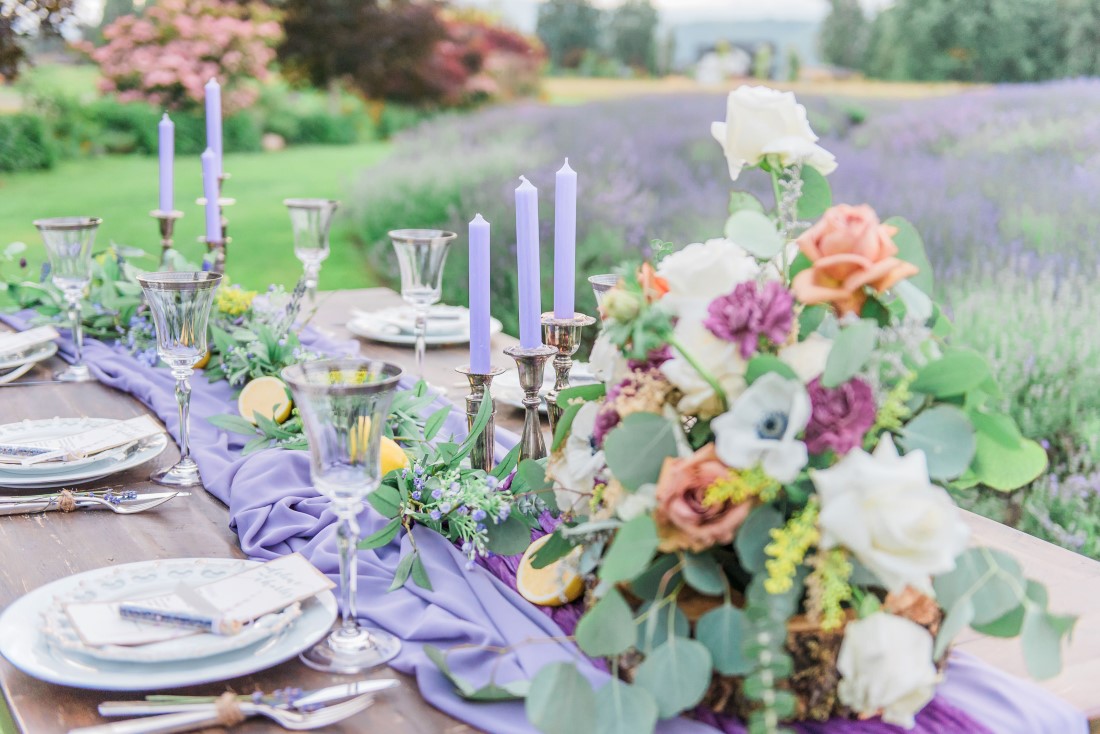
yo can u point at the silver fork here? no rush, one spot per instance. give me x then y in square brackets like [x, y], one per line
[208, 716]
[42, 504]
[131, 509]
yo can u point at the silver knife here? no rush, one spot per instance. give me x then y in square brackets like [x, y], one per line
[49, 503]
[309, 700]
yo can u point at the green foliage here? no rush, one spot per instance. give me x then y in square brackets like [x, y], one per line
[630, 551]
[490, 692]
[25, 144]
[843, 34]
[568, 29]
[632, 27]
[946, 437]
[624, 709]
[723, 630]
[561, 701]
[754, 232]
[851, 350]
[637, 448]
[676, 674]
[607, 629]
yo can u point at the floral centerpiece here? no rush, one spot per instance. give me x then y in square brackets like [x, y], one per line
[762, 484]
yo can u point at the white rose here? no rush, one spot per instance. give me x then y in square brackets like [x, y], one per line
[808, 357]
[763, 122]
[761, 428]
[701, 272]
[607, 363]
[718, 357]
[576, 466]
[886, 666]
[885, 511]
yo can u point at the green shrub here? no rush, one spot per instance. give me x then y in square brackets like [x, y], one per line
[397, 117]
[25, 143]
[326, 129]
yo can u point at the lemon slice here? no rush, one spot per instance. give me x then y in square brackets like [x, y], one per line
[393, 456]
[201, 364]
[266, 396]
[556, 584]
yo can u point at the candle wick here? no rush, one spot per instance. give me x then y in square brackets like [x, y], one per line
[524, 179]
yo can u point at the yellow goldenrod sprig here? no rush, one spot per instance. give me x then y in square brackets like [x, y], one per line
[788, 548]
[741, 486]
[827, 587]
[233, 300]
[893, 413]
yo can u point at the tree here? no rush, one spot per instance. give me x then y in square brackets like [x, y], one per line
[22, 18]
[1083, 38]
[382, 48]
[844, 33]
[568, 28]
[633, 30]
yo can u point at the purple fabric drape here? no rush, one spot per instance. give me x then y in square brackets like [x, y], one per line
[275, 510]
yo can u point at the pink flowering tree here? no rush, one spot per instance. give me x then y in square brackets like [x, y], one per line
[166, 55]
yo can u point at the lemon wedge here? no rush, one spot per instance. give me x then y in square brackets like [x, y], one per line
[266, 396]
[551, 586]
[201, 364]
[393, 456]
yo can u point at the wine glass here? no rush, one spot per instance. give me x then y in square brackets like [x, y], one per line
[601, 284]
[181, 303]
[310, 219]
[344, 404]
[69, 242]
[421, 254]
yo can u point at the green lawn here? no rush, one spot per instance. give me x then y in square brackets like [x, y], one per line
[123, 189]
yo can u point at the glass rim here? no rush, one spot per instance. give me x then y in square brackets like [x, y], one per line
[603, 280]
[311, 203]
[421, 236]
[61, 224]
[188, 280]
[296, 375]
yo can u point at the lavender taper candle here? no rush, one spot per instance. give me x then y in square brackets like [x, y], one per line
[527, 253]
[565, 241]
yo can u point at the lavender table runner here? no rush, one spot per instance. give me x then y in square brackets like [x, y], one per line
[275, 510]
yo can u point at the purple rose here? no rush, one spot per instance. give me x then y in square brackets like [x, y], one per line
[751, 312]
[841, 415]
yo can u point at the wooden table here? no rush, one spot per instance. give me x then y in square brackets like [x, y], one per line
[41, 548]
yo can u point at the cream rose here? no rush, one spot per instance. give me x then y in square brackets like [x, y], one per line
[607, 363]
[808, 357]
[701, 272]
[718, 357]
[884, 510]
[762, 122]
[886, 667]
[576, 466]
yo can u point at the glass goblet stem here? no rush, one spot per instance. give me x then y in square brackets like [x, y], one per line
[347, 541]
[77, 324]
[421, 337]
[312, 275]
[183, 398]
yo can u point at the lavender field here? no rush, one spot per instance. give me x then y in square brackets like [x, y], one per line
[1002, 183]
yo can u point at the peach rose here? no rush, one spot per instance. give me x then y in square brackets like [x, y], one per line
[683, 521]
[849, 249]
[654, 286]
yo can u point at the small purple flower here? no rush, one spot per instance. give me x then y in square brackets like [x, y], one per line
[446, 506]
[23, 263]
[437, 494]
[654, 359]
[607, 419]
[435, 514]
[454, 488]
[841, 415]
[481, 527]
[751, 312]
[463, 511]
[491, 482]
[416, 496]
[418, 483]
[467, 547]
[419, 470]
[479, 515]
[504, 513]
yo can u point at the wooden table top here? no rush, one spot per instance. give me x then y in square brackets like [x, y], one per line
[45, 547]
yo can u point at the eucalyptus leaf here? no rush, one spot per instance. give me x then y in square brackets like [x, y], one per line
[510, 537]
[918, 304]
[607, 628]
[816, 197]
[743, 200]
[648, 584]
[911, 250]
[946, 437]
[851, 350]
[561, 701]
[420, 573]
[657, 626]
[435, 422]
[755, 233]
[810, 318]
[958, 618]
[956, 372]
[382, 537]
[631, 550]
[1005, 469]
[624, 709]
[762, 364]
[998, 427]
[676, 674]
[637, 448]
[723, 630]
[386, 500]
[703, 574]
[754, 534]
[1041, 636]
[555, 548]
[401, 574]
[505, 467]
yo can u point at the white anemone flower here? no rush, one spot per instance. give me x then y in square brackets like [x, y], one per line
[762, 426]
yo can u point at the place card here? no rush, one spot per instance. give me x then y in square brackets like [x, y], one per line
[79, 445]
[243, 598]
[21, 342]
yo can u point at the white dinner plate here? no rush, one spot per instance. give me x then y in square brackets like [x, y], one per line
[30, 356]
[506, 387]
[57, 474]
[24, 644]
[135, 581]
[393, 326]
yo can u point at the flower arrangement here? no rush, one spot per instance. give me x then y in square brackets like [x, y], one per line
[764, 477]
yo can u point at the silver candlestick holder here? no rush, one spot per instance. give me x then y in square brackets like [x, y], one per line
[219, 247]
[531, 363]
[564, 335]
[482, 453]
[167, 225]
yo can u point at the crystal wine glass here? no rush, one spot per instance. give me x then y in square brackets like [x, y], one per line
[344, 404]
[69, 242]
[421, 254]
[181, 303]
[310, 219]
[601, 284]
